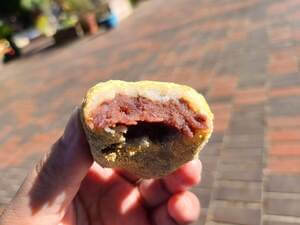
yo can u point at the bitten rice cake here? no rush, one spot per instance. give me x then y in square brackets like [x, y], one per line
[147, 128]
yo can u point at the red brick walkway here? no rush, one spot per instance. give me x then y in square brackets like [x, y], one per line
[243, 55]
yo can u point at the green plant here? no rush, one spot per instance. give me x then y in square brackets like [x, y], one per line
[68, 20]
[5, 30]
[77, 6]
[35, 4]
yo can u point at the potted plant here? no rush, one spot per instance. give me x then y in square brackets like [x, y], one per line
[85, 9]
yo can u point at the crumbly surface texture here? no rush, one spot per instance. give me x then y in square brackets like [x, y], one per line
[147, 148]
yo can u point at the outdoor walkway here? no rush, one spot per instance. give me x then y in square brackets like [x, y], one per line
[242, 55]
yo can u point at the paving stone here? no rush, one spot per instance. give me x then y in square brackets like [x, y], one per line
[283, 165]
[209, 60]
[284, 135]
[249, 81]
[243, 152]
[242, 141]
[229, 66]
[285, 92]
[220, 99]
[216, 137]
[242, 191]
[284, 106]
[285, 81]
[207, 179]
[247, 127]
[278, 183]
[258, 35]
[234, 215]
[285, 149]
[279, 223]
[241, 172]
[6, 119]
[253, 64]
[27, 131]
[248, 113]
[260, 12]
[273, 206]
[211, 149]
[255, 160]
[209, 163]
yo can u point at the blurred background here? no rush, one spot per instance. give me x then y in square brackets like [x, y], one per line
[28, 26]
[242, 55]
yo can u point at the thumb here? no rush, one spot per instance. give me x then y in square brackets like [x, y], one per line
[49, 189]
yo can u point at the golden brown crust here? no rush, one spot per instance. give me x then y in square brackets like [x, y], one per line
[148, 160]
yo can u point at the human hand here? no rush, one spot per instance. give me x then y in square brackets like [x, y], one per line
[67, 188]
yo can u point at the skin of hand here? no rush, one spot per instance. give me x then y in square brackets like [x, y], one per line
[67, 188]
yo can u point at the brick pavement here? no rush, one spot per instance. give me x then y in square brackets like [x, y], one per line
[242, 55]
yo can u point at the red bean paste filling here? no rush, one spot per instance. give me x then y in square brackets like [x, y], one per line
[157, 120]
[145, 117]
